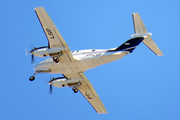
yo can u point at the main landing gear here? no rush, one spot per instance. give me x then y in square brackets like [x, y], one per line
[56, 59]
[75, 89]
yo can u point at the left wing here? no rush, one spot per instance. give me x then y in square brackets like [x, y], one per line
[88, 92]
[54, 37]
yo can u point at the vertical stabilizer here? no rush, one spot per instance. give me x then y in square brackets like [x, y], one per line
[139, 27]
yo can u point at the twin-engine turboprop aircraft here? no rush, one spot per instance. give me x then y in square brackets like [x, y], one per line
[73, 64]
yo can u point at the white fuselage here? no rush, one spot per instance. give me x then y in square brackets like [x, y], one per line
[84, 60]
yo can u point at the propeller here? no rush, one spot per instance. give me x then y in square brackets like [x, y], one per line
[26, 51]
[50, 89]
[32, 55]
[31, 51]
[32, 59]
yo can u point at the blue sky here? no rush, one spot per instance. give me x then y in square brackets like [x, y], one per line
[141, 86]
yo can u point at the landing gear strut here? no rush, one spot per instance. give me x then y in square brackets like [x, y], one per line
[75, 89]
[56, 59]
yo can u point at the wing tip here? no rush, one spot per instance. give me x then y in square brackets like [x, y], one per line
[38, 8]
[105, 112]
[135, 13]
[161, 54]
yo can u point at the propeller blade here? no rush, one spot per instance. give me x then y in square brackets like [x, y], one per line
[27, 52]
[50, 89]
[32, 59]
[32, 56]
[31, 47]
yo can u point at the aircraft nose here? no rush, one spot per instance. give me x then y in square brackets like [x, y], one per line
[37, 66]
[41, 69]
[44, 65]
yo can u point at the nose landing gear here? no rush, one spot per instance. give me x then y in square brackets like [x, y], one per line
[32, 78]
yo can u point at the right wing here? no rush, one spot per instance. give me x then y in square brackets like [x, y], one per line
[54, 37]
[88, 92]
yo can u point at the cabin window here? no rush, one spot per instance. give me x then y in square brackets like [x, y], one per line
[93, 49]
[72, 51]
[77, 51]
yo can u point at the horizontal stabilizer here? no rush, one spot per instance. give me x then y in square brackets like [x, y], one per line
[148, 41]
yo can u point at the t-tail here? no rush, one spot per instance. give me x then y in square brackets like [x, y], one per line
[141, 35]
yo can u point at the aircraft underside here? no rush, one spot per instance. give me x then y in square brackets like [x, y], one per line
[78, 66]
[73, 64]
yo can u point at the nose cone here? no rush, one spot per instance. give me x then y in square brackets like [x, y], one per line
[31, 52]
[42, 68]
[50, 83]
[44, 64]
[38, 66]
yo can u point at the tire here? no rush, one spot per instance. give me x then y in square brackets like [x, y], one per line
[76, 90]
[56, 59]
[32, 78]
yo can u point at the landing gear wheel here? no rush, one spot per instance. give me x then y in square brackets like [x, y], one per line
[31, 78]
[56, 59]
[75, 89]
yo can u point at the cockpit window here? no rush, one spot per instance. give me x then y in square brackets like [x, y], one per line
[93, 49]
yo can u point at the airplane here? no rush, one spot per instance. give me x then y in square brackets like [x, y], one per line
[73, 64]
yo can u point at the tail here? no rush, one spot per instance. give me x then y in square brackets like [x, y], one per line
[141, 35]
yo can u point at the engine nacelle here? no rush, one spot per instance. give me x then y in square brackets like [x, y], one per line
[45, 51]
[63, 82]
